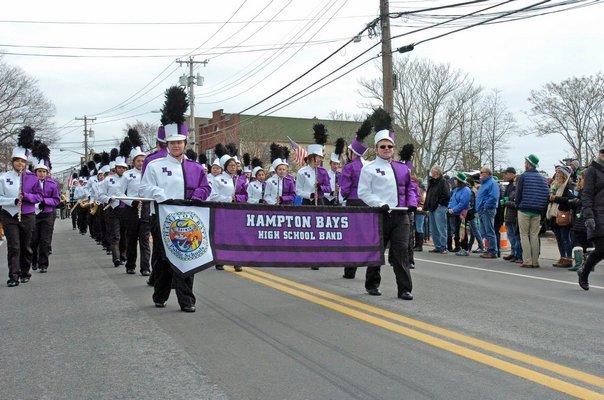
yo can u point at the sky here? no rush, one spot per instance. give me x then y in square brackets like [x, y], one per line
[245, 43]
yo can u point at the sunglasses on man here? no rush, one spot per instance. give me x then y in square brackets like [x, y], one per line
[386, 146]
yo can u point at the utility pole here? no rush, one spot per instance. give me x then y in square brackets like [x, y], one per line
[388, 85]
[86, 119]
[191, 81]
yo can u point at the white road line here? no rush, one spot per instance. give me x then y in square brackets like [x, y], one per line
[508, 273]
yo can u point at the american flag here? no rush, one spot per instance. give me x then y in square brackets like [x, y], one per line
[69, 180]
[299, 153]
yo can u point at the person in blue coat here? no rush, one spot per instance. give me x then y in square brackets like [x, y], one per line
[486, 207]
[459, 203]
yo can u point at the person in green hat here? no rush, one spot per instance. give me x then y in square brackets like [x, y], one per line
[532, 195]
[459, 203]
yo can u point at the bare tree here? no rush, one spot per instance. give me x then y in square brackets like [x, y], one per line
[147, 131]
[22, 103]
[573, 109]
[499, 125]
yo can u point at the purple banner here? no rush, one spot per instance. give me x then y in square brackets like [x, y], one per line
[273, 236]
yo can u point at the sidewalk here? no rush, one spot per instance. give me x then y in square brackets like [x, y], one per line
[73, 334]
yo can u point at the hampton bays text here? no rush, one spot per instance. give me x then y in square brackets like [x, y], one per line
[298, 227]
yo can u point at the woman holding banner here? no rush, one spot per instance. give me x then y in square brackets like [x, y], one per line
[386, 183]
[281, 187]
[174, 178]
[225, 184]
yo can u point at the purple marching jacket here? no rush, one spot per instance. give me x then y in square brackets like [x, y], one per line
[51, 195]
[408, 193]
[349, 179]
[288, 194]
[32, 193]
[241, 189]
[323, 181]
[196, 181]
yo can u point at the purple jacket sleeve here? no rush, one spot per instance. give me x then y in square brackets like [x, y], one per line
[53, 198]
[412, 193]
[324, 184]
[32, 192]
[241, 189]
[345, 181]
[203, 189]
[289, 191]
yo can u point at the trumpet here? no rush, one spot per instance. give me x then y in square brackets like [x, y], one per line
[95, 208]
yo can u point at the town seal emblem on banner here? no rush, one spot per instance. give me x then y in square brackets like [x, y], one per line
[185, 235]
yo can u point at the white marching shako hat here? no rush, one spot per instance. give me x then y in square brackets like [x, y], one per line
[112, 165]
[277, 162]
[121, 162]
[217, 162]
[225, 158]
[316, 149]
[334, 157]
[256, 170]
[136, 152]
[20, 152]
[384, 134]
[39, 164]
[176, 132]
[247, 168]
[103, 170]
[271, 169]
[236, 159]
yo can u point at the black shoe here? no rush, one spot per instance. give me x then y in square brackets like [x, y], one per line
[238, 268]
[150, 282]
[188, 308]
[348, 276]
[434, 250]
[374, 292]
[160, 305]
[130, 271]
[43, 270]
[25, 279]
[583, 282]
[12, 283]
[117, 263]
[145, 272]
[405, 296]
[220, 267]
[34, 267]
[314, 268]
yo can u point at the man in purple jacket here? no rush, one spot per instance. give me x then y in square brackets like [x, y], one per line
[45, 218]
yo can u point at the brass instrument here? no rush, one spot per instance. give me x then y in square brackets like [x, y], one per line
[84, 202]
[95, 208]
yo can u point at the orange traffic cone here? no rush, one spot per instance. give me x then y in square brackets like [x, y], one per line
[503, 240]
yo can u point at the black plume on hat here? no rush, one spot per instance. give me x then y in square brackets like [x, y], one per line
[175, 106]
[40, 151]
[105, 159]
[364, 130]
[96, 157]
[74, 175]
[232, 149]
[381, 120]
[320, 134]
[113, 153]
[247, 159]
[285, 152]
[339, 147]
[26, 138]
[220, 150]
[135, 138]
[84, 172]
[406, 152]
[256, 162]
[125, 147]
[191, 154]
[276, 151]
[91, 165]
[203, 159]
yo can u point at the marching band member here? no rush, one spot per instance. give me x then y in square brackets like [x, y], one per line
[281, 187]
[215, 170]
[386, 183]
[19, 192]
[137, 212]
[115, 186]
[81, 195]
[174, 177]
[72, 201]
[226, 187]
[333, 198]
[247, 166]
[312, 180]
[92, 167]
[256, 188]
[45, 218]
[97, 208]
[349, 178]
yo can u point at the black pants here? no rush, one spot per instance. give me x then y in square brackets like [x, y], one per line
[100, 228]
[163, 277]
[42, 238]
[350, 272]
[117, 233]
[18, 243]
[156, 249]
[396, 232]
[74, 216]
[82, 218]
[92, 225]
[307, 202]
[137, 231]
[594, 257]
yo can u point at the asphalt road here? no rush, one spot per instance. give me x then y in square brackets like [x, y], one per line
[477, 329]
